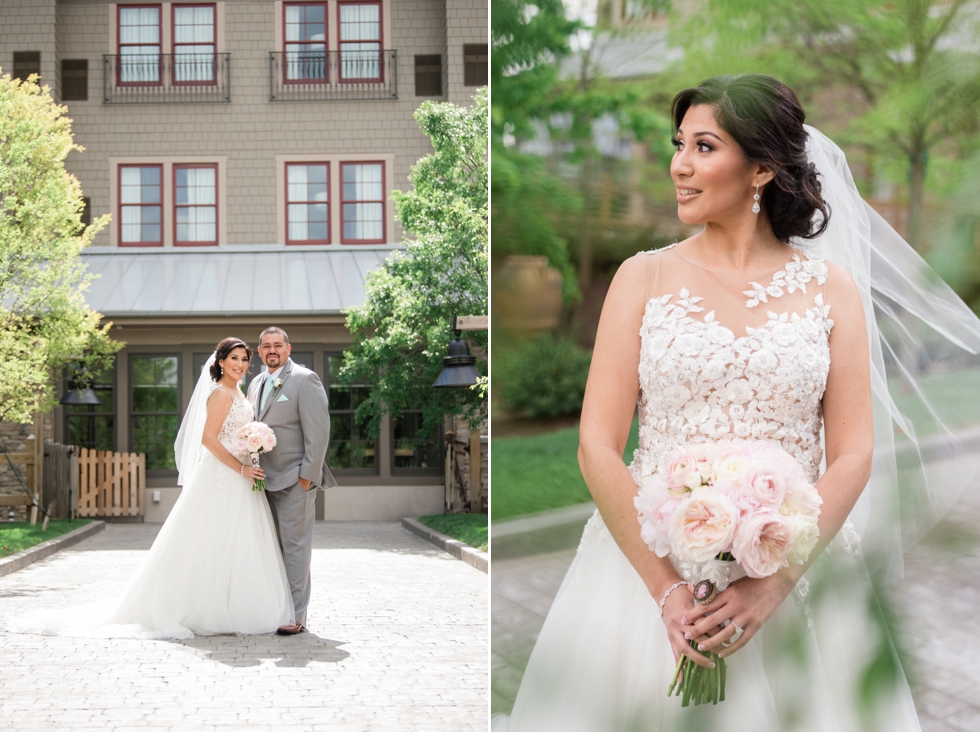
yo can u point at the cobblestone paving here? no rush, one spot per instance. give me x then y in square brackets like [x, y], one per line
[397, 641]
[935, 608]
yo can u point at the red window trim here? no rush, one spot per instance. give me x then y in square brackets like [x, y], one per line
[119, 170]
[326, 46]
[120, 44]
[384, 209]
[213, 44]
[286, 212]
[381, 46]
[184, 166]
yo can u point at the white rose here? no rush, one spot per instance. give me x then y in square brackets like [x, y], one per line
[689, 344]
[809, 359]
[656, 312]
[730, 468]
[803, 498]
[739, 391]
[762, 362]
[784, 334]
[693, 480]
[805, 535]
[736, 411]
[656, 346]
[696, 412]
[720, 335]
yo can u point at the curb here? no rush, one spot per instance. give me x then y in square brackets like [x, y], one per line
[463, 552]
[540, 533]
[41, 551]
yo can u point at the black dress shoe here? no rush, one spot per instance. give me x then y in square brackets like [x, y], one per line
[291, 629]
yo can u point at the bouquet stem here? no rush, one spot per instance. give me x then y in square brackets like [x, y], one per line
[700, 685]
[257, 485]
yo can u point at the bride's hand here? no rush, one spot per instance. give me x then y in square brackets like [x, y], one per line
[253, 474]
[679, 603]
[748, 603]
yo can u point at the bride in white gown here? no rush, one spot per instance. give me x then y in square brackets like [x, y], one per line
[733, 333]
[215, 567]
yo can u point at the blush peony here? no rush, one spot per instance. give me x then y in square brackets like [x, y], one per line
[702, 526]
[762, 544]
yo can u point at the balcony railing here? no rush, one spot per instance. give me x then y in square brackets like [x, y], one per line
[166, 78]
[327, 76]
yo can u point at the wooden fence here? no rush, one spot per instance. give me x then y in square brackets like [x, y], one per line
[60, 479]
[110, 483]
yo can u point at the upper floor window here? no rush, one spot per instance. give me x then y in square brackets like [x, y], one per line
[139, 45]
[306, 203]
[362, 203]
[140, 205]
[475, 64]
[305, 42]
[360, 41]
[194, 44]
[195, 204]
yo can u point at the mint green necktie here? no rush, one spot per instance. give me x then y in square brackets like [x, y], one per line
[265, 392]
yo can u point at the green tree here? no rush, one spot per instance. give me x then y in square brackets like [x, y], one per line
[402, 332]
[908, 69]
[44, 321]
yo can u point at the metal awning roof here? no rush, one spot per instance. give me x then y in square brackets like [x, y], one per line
[230, 280]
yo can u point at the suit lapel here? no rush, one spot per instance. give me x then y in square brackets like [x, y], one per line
[286, 371]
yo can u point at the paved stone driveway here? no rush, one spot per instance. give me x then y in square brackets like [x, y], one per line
[398, 641]
[936, 607]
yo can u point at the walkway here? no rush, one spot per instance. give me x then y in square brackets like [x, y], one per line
[398, 641]
[935, 607]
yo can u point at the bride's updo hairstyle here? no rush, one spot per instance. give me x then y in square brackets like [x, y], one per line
[221, 352]
[766, 119]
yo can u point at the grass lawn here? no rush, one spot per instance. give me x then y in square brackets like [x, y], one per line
[16, 536]
[469, 528]
[540, 472]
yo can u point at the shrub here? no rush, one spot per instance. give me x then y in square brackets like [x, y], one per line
[543, 377]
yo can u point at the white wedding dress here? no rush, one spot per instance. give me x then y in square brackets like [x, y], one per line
[721, 356]
[215, 567]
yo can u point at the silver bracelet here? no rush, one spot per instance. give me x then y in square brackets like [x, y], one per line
[667, 594]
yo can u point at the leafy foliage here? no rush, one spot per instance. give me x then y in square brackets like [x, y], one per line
[908, 69]
[402, 332]
[543, 377]
[44, 321]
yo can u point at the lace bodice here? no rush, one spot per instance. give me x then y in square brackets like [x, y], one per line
[700, 381]
[240, 414]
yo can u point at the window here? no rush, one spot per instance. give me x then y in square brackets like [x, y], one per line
[74, 79]
[140, 205]
[305, 43]
[86, 219]
[306, 203]
[360, 41]
[428, 76]
[362, 203]
[154, 410]
[412, 448]
[26, 63]
[194, 44]
[93, 425]
[139, 45]
[352, 445]
[195, 204]
[475, 70]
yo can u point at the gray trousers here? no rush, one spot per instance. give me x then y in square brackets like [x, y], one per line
[294, 511]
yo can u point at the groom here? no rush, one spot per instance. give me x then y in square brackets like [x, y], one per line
[291, 400]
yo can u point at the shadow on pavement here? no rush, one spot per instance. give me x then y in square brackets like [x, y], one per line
[297, 651]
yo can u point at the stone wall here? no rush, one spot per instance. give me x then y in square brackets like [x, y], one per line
[13, 437]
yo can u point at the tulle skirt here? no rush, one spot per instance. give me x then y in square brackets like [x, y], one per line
[215, 567]
[602, 661]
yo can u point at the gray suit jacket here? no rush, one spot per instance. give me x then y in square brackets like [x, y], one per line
[298, 413]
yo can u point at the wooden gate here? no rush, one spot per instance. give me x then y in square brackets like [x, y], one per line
[110, 483]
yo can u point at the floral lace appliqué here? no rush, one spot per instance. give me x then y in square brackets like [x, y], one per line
[795, 275]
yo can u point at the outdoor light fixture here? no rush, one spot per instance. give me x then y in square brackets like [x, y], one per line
[458, 367]
[80, 390]
[80, 396]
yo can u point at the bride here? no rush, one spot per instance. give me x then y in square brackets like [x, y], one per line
[215, 566]
[745, 330]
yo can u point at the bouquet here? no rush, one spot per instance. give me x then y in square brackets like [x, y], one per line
[720, 509]
[255, 438]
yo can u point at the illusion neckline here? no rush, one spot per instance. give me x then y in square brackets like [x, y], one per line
[796, 255]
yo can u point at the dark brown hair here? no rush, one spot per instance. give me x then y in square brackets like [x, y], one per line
[221, 352]
[273, 329]
[766, 119]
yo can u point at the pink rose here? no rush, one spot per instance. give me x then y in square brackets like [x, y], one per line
[269, 442]
[254, 442]
[803, 498]
[655, 504]
[702, 526]
[679, 468]
[763, 486]
[762, 543]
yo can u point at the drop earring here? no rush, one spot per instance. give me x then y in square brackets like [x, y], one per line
[755, 206]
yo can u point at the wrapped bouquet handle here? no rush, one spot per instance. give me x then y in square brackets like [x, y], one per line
[254, 439]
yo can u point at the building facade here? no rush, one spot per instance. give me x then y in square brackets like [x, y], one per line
[246, 151]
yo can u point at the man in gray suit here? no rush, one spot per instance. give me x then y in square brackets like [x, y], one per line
[291, 400]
